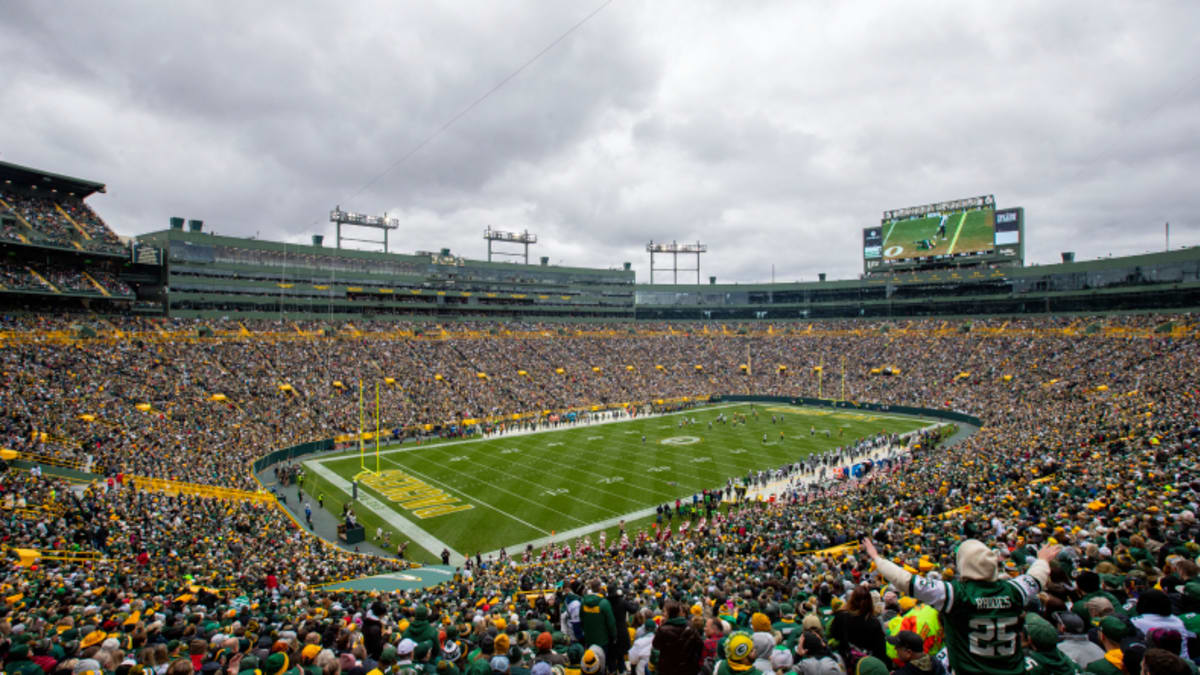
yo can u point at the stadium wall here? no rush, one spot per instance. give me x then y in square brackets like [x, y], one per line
[948, 415]
[209, 275]
[1168, 281]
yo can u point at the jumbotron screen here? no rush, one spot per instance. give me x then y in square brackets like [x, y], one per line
[935, 234]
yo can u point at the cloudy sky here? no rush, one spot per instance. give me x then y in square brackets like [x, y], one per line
[771, 131]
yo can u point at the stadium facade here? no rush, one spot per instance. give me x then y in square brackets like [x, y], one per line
[58, 253]
[208, 275]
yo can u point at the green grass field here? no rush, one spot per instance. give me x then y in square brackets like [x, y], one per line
[966, 232]
[480, 495]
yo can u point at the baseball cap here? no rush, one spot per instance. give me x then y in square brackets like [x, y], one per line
[406, 647]
[499, 664]
[1113, 628]
[908, 640]
[1072, 623]
[1040, 632]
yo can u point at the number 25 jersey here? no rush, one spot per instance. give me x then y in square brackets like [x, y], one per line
[982, 620]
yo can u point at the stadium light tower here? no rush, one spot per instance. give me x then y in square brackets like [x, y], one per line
[675, 250]
[350, 219]
[518, 238]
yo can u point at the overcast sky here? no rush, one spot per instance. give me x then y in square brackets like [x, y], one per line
[771, 131]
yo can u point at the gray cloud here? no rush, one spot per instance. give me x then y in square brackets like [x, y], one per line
[773, 131]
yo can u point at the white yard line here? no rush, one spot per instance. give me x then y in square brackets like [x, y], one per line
[434, 545]
[517, 549]
[536, 464]
[958, 231]
[435, 446]
[390, 516]
[484, 504]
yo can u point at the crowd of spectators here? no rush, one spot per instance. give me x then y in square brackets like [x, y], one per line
[1081, 487]
[17, 276]
[47, 224]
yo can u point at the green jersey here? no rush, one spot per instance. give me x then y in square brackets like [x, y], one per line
[982, 621]
[1050, 663]
[1191, 621]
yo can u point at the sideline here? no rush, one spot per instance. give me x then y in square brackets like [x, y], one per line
[390, 516]
[446, 444]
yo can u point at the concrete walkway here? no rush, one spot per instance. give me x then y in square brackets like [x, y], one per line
[324, 523]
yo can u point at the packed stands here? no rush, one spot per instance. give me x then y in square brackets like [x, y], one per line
[32, 276]
[1108, 474]
[65, 222]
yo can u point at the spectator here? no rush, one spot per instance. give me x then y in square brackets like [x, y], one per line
[676, 646]
[815, 658]
[1162, 662]
[1041, 647]
[596, 616]
[1074, 642]
[1154, 612]
[980, 613]
[856, 630]
[739, 657]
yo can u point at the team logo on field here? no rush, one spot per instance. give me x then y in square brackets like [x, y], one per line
[680, 440]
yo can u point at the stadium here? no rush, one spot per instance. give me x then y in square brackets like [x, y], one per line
[481, 439]
[289, 439]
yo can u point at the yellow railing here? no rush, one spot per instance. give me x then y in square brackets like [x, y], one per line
[34, 513]
[174, 487]
[9, 454]
[99, 287]
[29, 556]
[42, 279]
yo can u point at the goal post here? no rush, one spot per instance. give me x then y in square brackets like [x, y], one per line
[364, 428]
[377, 420]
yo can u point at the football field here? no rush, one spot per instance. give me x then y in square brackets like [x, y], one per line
[966, 232]
[483, 494]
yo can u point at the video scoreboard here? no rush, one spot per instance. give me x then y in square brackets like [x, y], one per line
[955, 233]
